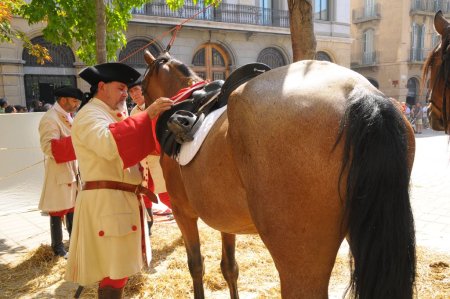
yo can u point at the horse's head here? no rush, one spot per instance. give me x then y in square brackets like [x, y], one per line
[437, 66]
[165, 76]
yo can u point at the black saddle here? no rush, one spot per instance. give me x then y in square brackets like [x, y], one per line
[181, 122]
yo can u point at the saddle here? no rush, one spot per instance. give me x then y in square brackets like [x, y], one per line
[179, 124]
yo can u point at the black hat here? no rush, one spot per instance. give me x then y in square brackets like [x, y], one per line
[137, 82]
[108, 72]
[71, 92]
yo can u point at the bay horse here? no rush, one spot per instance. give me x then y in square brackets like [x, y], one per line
[305, 155]
[437, 68]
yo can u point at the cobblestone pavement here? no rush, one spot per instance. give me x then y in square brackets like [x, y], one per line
[22, 227]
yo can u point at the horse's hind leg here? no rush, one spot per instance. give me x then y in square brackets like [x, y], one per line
[228, 265]
[189, 230]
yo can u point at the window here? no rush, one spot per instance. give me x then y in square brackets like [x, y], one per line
[62, 56]
[272, 57]
[435, 39]
[412, 86]
[320, 55]
[211, 62]
[321, 9]
[368, 54]
[417, 42]
[136, 59]
[369, 8]
[266, 11]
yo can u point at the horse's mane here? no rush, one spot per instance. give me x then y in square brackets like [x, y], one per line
[180, 66]
[427, 66]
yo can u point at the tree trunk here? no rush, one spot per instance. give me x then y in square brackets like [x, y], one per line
[302, 29]
[101, 31]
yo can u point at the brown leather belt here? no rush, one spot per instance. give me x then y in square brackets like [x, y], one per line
[136, 189]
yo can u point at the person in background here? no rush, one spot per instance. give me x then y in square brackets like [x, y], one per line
[418, 115]
[136, 95]
[20, 108]
[36, 106]
[10, 109]
[109, 239]
[3, 105]
[61, 168]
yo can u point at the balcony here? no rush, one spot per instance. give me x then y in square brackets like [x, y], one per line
[225, 13]
[366, 14]
[429, 7]
[365, 59]
[418, 54]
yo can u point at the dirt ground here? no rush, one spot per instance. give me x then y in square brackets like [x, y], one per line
[40, 275]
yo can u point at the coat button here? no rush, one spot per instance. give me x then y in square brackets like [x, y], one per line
[101, 233]
[134, 227]
[119, 114]
[69, 184]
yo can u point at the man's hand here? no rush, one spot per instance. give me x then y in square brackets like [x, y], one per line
[159, 105]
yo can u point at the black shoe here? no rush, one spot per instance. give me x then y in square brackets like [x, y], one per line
[57, 236]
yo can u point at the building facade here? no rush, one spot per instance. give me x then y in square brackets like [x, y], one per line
[392, 40]
[215, 43]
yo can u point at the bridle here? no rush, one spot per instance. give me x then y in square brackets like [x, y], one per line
[154, 66]
[444, 73]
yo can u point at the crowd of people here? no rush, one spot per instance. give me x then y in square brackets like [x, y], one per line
[35, 106]
[417, 116]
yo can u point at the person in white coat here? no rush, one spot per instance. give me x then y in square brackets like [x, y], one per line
[109, 240]
[150, 164]
[60, 183]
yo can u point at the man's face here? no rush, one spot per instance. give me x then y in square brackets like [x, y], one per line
[69, 104]
[114, 94]
[136, 95]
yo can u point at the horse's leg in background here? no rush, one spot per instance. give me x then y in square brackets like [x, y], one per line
[189, 230]
[186, 220]
[228, 265]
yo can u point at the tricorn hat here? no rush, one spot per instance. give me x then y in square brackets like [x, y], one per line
[135, 83]
[109, 72]
[67, 91]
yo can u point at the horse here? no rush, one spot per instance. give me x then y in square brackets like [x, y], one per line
[305, 155]
[437, 68]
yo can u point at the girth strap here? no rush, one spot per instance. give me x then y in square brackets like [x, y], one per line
[113, 185]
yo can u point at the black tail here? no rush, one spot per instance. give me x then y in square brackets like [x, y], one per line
[380, 220]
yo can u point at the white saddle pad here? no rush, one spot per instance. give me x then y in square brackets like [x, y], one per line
[189, 149]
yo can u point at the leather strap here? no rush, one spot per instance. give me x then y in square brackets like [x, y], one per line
[113, 185]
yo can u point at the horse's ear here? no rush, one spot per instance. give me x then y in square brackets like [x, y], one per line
[440, 23]
[148, 57]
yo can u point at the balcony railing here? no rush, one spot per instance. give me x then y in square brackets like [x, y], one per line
[366, 13]
[418, 54]
[369, 58]
[227, 13]
[430, 6]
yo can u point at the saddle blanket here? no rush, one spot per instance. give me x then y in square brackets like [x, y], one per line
[189, 149]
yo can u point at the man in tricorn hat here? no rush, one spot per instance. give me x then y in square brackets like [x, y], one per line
[109, 242]
[60, 184]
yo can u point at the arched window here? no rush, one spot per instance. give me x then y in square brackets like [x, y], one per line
[323, 56]
[373, 82]
[62, 56]
[413, 88]
[272, 57]
[40, 81]
[136, 59]
[211, 62]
